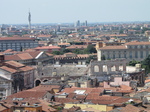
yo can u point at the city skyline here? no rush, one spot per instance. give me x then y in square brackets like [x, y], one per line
[69, 11]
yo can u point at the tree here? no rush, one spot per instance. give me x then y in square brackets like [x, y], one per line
[89, 59]
[146, 64]
[66, 51]
[90, 49]
[78, 51]
[121, 31]
[133, 63]
[145, 29]
[57, 53]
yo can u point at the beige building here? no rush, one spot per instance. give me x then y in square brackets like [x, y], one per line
[129, 51]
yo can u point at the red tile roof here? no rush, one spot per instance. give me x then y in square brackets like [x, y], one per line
[26, 68]
[8, 50]
[15, 64]
[45, 87]
[16, 38]
[46, 107]
[113, 47]
[28, 94]
[130, 108]
[8, 69]
[76, 47]
[65, 100]
[87, 90]
[23, 56]
[63, 43]
[48, 47]
[138, 43]
[148, 80]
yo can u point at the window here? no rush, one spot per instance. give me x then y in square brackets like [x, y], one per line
[136, 54]
[96, 68]
[130, 55]
[147, 53]
[108, 56]
[114, 56]
[125, 56]
[141, 54]
[119, 54]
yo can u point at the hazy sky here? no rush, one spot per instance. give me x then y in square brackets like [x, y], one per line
[60, 11]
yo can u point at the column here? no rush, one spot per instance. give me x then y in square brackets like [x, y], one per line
[117, 67]
[124, 67]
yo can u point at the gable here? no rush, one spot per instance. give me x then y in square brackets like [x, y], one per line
[42, 55]
[3, 78]
[48, 95]
[4, 72]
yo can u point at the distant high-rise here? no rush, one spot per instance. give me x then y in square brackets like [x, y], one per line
[29, 19]
[77, 24]
[86, 23]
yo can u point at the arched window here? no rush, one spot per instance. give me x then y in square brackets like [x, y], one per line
[37, 82]
[96, 68]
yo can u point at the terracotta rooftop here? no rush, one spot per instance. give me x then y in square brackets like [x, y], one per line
[8, 50]
[130, 108]
[63, 43]
[14, 64]
[148, 80]
[45, 87]
[4, 107]
[28, 94]
[87, 90]
[48, 47]
[113, 47]
[65, 100]
[23, 56]
[114, 100]
[26, 68]
[76, 47]
[138, 43]
[46, 107]
[16, 38]
[8, 69]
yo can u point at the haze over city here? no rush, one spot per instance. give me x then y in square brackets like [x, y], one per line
[74, 56]
[69, 11]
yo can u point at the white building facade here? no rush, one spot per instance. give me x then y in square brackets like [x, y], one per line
[132, 50]
[5, 87]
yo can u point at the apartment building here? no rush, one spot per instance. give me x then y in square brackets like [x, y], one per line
[17, 43]
[131, 50]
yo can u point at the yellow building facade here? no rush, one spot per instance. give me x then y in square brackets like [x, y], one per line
[94, 106]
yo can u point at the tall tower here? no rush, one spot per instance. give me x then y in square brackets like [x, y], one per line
[29, 19]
